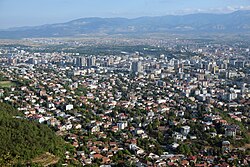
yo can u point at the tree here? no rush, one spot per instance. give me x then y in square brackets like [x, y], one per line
[155, 124]
[184, 149]
[150, 128]
[160, 137]
[22, 140]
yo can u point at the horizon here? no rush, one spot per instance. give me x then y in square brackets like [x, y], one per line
[66, 21]
[27, 13]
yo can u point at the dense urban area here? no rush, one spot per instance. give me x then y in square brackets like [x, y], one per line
[126, 102]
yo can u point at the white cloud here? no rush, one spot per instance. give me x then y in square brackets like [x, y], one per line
[227, 9]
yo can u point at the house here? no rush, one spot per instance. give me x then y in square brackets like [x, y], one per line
[225, 146]
[139, 131]
[153, 156]
[161, 163]
[174, 145]
[106, 160]
[185, 130]
[1, 92]
[184, 163]
[193, 137]
[122, 125]
[136, 149]
[115, 128]
[69, 107]
[230, 130]
[78, 126]
[178, 136]
[95, 129]
[97, 156]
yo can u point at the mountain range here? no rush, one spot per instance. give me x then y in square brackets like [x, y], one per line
[237, 22]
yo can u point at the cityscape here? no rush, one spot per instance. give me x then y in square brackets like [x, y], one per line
[164, 108]
[136, 97]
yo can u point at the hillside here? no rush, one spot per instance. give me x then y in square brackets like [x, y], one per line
[236, 22]
[22, 140]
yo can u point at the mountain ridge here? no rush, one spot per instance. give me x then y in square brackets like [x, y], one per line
[236, 22]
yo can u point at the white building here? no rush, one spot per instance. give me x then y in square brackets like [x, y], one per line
[69, 107]
[185, 130]
[122, 125]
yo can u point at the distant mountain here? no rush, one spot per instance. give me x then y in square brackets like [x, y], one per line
[236, 22]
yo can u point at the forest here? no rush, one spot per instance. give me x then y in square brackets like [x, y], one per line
[23, 140]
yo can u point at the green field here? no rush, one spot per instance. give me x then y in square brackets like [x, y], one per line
[6, 84]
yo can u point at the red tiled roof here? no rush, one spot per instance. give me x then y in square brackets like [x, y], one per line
[98, 156]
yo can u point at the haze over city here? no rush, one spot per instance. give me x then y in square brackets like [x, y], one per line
[16, 13]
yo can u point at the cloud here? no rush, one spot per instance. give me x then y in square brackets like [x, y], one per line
[227, 9]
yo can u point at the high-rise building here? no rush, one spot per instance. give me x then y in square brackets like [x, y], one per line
[137, 67]
[110, 61]
[12, 61]
[91, 61]
[80, 61]
[32, 61]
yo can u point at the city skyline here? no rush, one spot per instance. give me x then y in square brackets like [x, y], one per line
[15, 13]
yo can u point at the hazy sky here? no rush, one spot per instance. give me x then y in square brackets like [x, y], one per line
[36, 12]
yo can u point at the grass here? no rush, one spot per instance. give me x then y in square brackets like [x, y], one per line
[46, 159]
[6, 84]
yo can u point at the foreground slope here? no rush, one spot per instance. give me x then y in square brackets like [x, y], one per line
[22, 140]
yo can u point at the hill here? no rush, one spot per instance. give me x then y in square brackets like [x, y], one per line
[237, 22]
[22, 140]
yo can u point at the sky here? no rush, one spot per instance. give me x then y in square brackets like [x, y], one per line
[17, 13]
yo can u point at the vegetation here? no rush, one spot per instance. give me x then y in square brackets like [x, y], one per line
[6, 84]
[22, 140]
[2, 77]
[46, 159]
